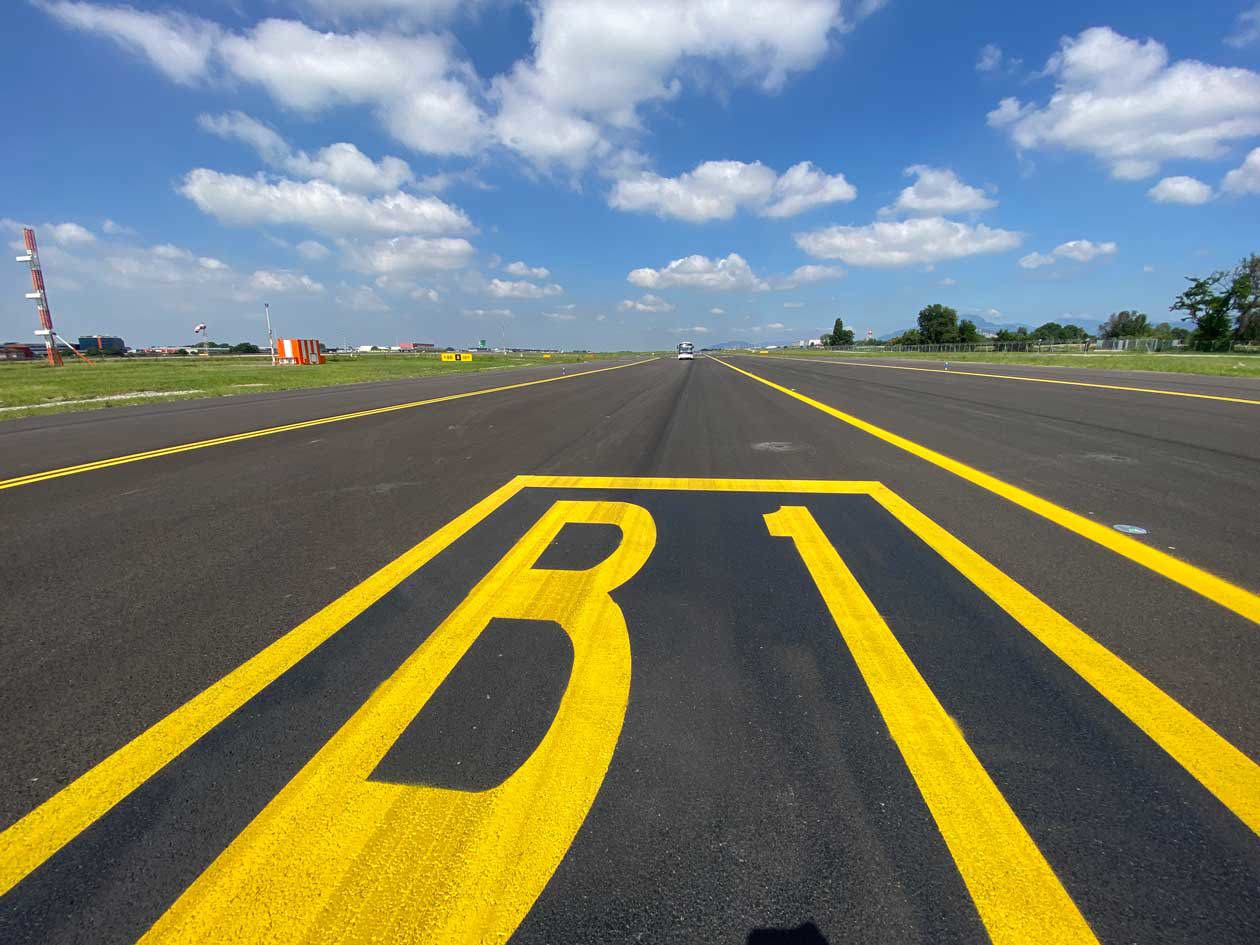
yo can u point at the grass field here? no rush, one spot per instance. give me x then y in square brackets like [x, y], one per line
[33, 387]
[1218, 365]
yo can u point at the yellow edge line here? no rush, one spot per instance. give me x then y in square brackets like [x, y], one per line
[29, 842]
[301, 425]
[1225, 771]
[1031, 380]
[1218, 590]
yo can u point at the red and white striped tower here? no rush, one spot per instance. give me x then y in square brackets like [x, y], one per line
[40, 296]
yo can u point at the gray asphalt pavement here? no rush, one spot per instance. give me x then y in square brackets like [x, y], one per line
[739, 772]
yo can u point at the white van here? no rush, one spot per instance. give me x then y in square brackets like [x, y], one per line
[686, 351]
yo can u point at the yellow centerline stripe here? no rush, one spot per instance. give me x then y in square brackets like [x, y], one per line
[1018, 896]
[31, 478]
[1031, 380]
[1222, 592]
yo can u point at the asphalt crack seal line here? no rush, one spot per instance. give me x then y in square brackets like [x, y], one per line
[32, 478]
[1218, 590]
[1034, 380]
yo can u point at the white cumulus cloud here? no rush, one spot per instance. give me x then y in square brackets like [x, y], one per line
[419, 90]
[1185, 190]
[938, 191]
[1244, 179]
[66, 234]
[646, 303]
[810, 273]
[715, 190]
[269, 280]
[313, 250]
[917, 241]
[726, 275]
[114, 228]
[1084, 250]
[341, 164]
[175, 43]
[322, 206]
[1246, 28]
[1036, 261]
[519, 268]
[595, 62]
[1121, 100]
[1081, 251]
[401, 254]
[509, 289]
[990, 58]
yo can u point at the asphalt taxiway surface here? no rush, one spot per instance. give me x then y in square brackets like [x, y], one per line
[747, 649]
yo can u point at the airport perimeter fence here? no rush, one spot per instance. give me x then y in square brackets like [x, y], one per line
[1134, 345]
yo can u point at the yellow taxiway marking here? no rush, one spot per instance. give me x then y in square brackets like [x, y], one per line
[1017, 894]
[1230, 596]
[31, 478]
[1232, 777]
[336, 856]
[50, 826]
[1032, 380]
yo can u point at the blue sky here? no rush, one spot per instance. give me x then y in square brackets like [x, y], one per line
[609, 173]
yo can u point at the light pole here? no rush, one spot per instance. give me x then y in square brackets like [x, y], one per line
[271, 344]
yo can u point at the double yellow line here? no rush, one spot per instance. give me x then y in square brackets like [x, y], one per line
[285, 428]
[1215, 589]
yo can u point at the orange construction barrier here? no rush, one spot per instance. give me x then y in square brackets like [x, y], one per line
[298, 351]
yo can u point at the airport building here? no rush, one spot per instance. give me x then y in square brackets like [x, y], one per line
[107, 344]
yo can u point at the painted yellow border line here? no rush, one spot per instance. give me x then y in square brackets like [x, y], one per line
[1031, 380]
[1232, 777]
[1215, 763]
[49, 827]
[31, 478]
[1218, 590]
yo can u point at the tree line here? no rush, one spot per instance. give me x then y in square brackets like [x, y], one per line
[1220, 308]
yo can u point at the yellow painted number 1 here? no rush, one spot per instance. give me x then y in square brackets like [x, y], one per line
[1019, 898]
[336, 857]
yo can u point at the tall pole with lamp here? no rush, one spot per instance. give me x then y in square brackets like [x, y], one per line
[271, 342]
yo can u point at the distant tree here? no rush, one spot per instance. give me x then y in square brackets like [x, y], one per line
[841, 335]
[1006, 335]
[1208, 307]
[968, 333]
[909, 337]
[1050, 331]
[1125, 324]
[938, 324]
[244, 347]
[1073, 333]
[1246, 291]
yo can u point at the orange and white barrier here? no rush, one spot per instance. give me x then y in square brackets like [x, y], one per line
[298, 351]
